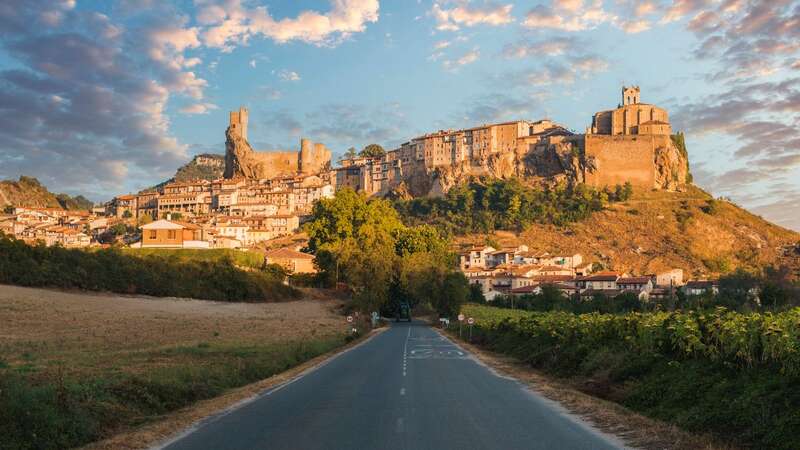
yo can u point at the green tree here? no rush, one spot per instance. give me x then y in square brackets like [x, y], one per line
[372, 151]
[476, 294]
[127, 214]
[118, 229]
[144, 219]
[350, 153]
[773, 295]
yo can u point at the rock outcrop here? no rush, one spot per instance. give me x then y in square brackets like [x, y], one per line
[559, 162]
[242, 161]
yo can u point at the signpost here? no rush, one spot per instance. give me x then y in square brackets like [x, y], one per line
[460, 319]
[470, 321]
[353, 329]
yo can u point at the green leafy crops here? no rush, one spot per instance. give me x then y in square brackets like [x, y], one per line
[738, 339]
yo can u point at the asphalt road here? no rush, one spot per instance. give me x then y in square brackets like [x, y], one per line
[407, 388]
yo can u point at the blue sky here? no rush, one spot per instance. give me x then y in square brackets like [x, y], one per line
[105, 97]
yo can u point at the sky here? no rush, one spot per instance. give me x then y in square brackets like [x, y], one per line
[106, 97]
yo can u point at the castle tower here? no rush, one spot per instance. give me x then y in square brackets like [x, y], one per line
[630, 95]
[238, 122]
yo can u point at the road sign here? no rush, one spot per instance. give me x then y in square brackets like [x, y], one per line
[460, 317]
[350, 319]
[470, 321]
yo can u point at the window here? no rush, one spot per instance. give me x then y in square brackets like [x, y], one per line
[171, 234]
[152, 234]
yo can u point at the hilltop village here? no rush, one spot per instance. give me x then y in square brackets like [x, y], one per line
[266, 195]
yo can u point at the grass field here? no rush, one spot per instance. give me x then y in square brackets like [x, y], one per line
[242, 258]
[75, 368]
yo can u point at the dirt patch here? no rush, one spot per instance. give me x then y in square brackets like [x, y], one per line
[42, 326]
[635, 430]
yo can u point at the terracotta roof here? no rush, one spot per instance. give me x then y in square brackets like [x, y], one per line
[525, 289]
[546, 268]
[288, 253]
[602, 276]
[552, 278]
[163, 224]
[187, 225]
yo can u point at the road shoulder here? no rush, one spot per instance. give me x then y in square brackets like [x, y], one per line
[633, 429]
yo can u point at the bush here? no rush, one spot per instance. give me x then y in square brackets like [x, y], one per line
[730, 373]
[115, 271]
[485, 205]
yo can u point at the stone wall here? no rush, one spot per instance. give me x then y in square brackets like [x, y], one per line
[611, 160]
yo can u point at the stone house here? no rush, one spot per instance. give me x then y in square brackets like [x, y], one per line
[700, 287]
[291, 260]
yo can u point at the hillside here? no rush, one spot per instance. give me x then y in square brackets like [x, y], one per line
[28, 191]
[205, 167]
[202, 167]
[658, 230]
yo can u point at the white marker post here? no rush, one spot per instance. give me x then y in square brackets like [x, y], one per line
[349, 322]
[460, 319]
[470, 322]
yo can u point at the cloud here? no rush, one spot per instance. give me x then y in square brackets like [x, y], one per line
[493, 108]
[288, 75]
[465, 15]
[555, 46]
[78, 111]
[563, 71]
[339, 125]
[252, 63]
[441, 44]
[198, 108]
[782, 208]
[228, 23]
[680, 8]
[270, 93]
[633, 26]
[467, 58]
[568, 16]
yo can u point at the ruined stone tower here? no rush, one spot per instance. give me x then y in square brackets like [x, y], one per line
[630, 95]
[242, 161]
[238, 122]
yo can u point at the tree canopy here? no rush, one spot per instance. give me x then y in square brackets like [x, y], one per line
[372, 151]
[365, 244]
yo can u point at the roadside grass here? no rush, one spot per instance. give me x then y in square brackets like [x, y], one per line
[755, 406]
[52, 407]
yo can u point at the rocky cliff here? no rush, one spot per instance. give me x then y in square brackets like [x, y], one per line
[239, 157]
[548, 164]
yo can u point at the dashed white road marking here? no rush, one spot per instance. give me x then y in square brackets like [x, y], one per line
[405, 352]
[403, 391]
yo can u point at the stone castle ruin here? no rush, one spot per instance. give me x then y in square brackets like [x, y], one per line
[242, 161]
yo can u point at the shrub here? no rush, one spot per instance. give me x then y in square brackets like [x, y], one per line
[150, 274]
